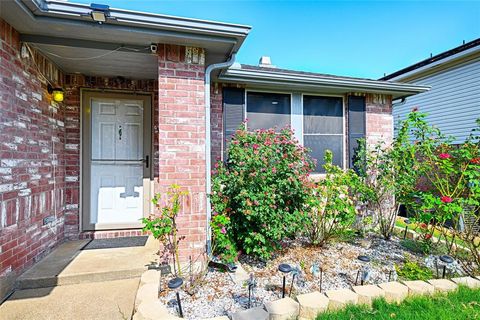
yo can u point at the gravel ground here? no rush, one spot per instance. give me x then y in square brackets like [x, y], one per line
[219, 295]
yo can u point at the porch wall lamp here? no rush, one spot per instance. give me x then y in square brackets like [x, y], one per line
[57, 93]
[100, 12]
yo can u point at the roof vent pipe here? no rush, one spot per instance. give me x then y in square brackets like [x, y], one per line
[208, 155]
[265, 62]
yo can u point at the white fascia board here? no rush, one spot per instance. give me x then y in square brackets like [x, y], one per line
[267, 77]
[59, 8]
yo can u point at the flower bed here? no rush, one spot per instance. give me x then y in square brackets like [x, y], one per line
[219, 295]
[267, 211]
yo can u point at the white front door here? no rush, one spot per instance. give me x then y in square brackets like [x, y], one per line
[117, 163]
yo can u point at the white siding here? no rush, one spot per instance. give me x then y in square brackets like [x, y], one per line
[453, 103]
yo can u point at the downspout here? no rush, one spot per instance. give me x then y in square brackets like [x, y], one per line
[208, 155]
[400, 103]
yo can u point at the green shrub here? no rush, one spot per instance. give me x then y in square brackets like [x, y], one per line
[331, 209]
[258, 195]
[413, 271]
[163, 225]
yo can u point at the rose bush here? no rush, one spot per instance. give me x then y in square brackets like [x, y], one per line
[259, 192]
[448, 184]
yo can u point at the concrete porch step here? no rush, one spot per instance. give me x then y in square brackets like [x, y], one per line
[68, 264]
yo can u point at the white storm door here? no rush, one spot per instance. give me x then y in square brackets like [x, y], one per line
[117, 162]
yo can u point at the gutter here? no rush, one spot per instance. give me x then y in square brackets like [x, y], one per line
[268, 77]
[208, 154]
[118, 17]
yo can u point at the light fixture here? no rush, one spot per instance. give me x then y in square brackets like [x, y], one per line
[57, 93]
[99, 12]
[364, 271]
[175, 284]
[407, 222]
[252, 283]
[446, 261]
[285, 269]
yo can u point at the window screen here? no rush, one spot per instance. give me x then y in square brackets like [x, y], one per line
[356, 126]
[233, 109]
[267, 110]
[323, 128]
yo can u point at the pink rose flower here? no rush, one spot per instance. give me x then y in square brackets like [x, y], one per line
[444, 156]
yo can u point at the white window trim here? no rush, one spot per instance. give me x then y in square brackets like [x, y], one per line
[344, 152]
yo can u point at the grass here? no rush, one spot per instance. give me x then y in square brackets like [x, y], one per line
[462, 304]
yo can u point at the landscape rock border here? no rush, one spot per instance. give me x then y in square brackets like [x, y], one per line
[307, 306]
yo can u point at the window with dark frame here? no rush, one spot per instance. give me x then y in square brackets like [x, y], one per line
[323, 128]
[233, 113]
[356, 126]
[267, 110]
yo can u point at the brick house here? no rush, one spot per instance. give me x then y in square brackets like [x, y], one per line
[149, 100]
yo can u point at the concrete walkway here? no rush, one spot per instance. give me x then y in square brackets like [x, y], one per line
[96, 300]
[71, 283]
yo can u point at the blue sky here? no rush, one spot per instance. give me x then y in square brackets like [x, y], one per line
[351, 38]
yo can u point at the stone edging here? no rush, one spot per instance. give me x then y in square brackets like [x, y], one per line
[307, 306]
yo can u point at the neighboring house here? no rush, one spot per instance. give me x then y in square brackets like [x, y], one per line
[453, 103]
[146, 105]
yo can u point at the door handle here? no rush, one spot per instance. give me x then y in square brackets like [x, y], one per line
[147, 161]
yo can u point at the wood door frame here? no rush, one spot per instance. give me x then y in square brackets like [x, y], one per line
[86, 149]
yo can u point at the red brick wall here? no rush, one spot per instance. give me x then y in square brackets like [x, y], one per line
[73, 84]
[32, 163]
[379, 118]
[216, 121]
[181, 112]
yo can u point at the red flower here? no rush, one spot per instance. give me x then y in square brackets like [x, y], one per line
[428, 236]
[444, 156]
[423, 225]
[475, 160]
[446, 199]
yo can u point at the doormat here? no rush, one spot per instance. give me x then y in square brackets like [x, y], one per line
[123, 242]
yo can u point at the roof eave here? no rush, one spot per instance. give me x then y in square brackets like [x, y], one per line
[69, 10]
[398, 90]
[149, 24]
[418, 68]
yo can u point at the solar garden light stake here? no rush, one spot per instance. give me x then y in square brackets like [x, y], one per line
[251, 284]
[447, 260]
[390, 275]
[407, 222]
[321, 278]
[175, 284]
[364, 270]
[285, 269]
[295, 272]
[316, 269]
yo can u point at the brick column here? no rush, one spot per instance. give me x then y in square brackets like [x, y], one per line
[379, 119]
[216, 122]
[181, 132]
